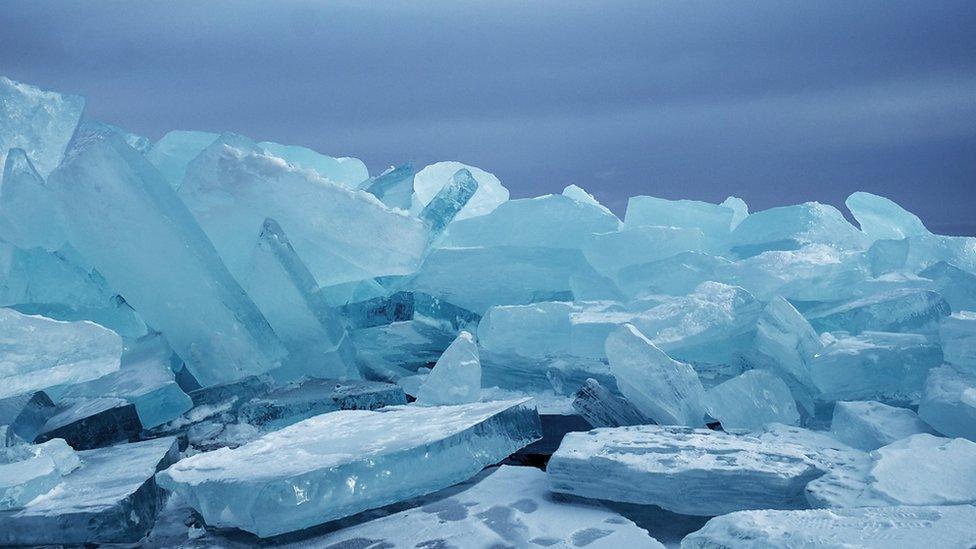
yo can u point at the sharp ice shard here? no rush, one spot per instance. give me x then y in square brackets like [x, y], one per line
[456, 378]
[29, 216]
[430, 180]
[449, 201]
[749, 401]
[39, 122]
[880, 218]
[344, 171]
[394, 187]
[338, 464]
[601, 408]
[174, 151]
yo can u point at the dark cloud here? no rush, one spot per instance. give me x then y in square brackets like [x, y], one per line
[776, 102]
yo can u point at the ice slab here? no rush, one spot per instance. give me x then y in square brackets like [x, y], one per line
[949, 402]
[174, 151]
[112, 497]
[338, 464]
[601, 408]
[792, 227]
[678, 274]
[887, 367]
[905, 310]
[430, 180]
[870, 528]
[145, 379]
[448, 202]
[958, 336]
[954, 284]
[869, 425]
[684, 470]
[612, 252]
[713, 220]
[456, 378]
[881, 218]
[813, 272]
[87, 423]
[287, 295]
[345, 171]
[751, 400]
[30, 470]
[39, 122]
[394, 187]
[29, 217]
[341, 234]
[785, 343]
[552, 221]
[135, 230]
[661, 388]
[26, 414]
[37, 352]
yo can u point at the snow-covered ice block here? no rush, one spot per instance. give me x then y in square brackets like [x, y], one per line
[906, 310]
[112, 497]
[135, 230]
[506, 507]
[949, 402]
[661, 388]
[792, 227]
[456, 378]
[921, 469]
[881, 218]
[29, 217]
[341, 463]
[341, 234]
[684, 470]
[714, 220]
[601, 408]
[394, 187]
[957, 286]
[448, 202]
[751, 400]
[29, 470]
[869, 425]
[87, 423]
[171, 154]
[346, 171]
[291, 404]
[430, 180]
[26, 414]
[882, 366]
[40, 122]
[552, 221]
[958, 336]
[37, 352]
[869, 528]
[287, 295]
[145, 379]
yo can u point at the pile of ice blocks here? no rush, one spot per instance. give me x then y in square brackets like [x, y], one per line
[213, 340]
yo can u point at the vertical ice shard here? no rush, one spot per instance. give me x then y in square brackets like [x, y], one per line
[904, 310]
[552, 221]
[171, 154]
[144, 379]
[751, 400]
[869, 425]
[285, 292]
[740, 210]
[449, 201]
[338, 464]
[344, 171]
[660, 387]
[792, 227]
[456, 378]
[125, 219]
[39, 122]
[394, 187]
[958, 336]
[430, 180]
[881, 218]
[601, 408]
[37, 352]
[342, 235]
[785, 343]
[29, 216]
[949, 402]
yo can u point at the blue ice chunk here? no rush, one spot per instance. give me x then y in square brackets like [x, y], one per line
[456, 378]
[145, 379]
[601, 408]
[431, 179]
[26, 414]
[958, 336]
[611, 252]
[345, 171]
[87, 423]
[678, 274]
[448, 202]
[869, 425]
[949, 401]
[394, 187]
[135, 230]
[713, 220]
[111, 498]
[881, 218]
[815, 272]
[905, 310]
[792, 227]
[293, 403]
[580, 195]
[391, 351]
[287, 295]
[137, 142]
[957, 286]
[751, 400]
[886, 256]
[174, 151]
[785, 343]
[29, 216]
[39, 122]
[30, 470]
[740, 210]
[338, 464]
[924, 251]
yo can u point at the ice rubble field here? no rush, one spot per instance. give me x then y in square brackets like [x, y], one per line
[209, 340]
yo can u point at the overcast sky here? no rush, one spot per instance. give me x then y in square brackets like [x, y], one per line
[776, 102]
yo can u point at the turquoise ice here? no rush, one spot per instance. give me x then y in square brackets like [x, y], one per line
[344, 171]
[456, 378]
[37, 121]
[448, 202]
[171, 154]
[948, 401]
[957, 334]
[881, 218]
[751, 400]
[869, 425]
[431, 179]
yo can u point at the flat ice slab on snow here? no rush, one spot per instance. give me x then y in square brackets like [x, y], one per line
[341, 463]
[879, 528]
